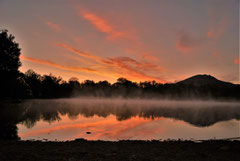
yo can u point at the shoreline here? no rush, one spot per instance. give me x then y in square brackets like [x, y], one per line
[150, 140]
[81, 149]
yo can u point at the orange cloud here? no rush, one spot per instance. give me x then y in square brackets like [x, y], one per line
[129, 35]
[79, 59]
[80, 53]
[102, 25]
[55, 65]
[133, 69]
[121, 66]
[54, 26]
[132, 43]
[236, 61]
[74, 69]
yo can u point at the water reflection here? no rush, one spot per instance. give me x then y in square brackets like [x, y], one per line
[196, 113]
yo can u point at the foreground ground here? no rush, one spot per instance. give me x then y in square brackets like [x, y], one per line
[122, 150]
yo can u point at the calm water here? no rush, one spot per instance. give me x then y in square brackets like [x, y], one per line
[118, 119]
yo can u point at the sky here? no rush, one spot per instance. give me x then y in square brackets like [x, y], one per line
[141, 40]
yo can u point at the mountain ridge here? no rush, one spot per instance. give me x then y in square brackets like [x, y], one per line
[203, 79]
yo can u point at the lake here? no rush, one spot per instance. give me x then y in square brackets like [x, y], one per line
[120, 119]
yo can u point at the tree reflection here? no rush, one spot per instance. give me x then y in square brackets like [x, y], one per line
[51, 110]
[30, 112]
[9, 118]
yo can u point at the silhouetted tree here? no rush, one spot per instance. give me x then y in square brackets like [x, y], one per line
[9, 64]
[125, 88]
[103, 89]
[50, 86]
[74, 86]
[22, 88]
[34, 81]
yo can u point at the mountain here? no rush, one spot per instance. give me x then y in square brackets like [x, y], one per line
[205, 86]
[202, 80]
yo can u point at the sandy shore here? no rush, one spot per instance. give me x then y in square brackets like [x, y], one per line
[121, 150]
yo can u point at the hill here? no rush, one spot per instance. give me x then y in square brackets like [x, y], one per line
[201, 80]
[205, 86]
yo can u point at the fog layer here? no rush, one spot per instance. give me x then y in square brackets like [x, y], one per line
[198, 113]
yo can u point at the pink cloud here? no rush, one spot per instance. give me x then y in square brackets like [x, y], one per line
[54, 26]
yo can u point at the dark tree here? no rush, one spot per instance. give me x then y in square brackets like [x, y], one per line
[125, 88]
[103, 89]
[74, 86]
[34, 82]
[50, 86]
[9, 64]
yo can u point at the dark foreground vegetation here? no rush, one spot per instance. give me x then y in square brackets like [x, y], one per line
[17, 85]
[122, 150]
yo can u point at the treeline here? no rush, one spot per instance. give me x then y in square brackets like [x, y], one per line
[33, 85]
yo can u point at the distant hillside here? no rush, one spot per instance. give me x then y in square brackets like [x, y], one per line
[205, 86]
[201, 80]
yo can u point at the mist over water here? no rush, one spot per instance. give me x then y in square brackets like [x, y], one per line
[199, 113]
[114, 119]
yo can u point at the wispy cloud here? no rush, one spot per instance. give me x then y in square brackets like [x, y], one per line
[125, 35]
[67, 68]
[58, 66]
[132, 69]
[121, 66]
[102, 25]
[129, 41]
[55, 27]
[78, 52]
